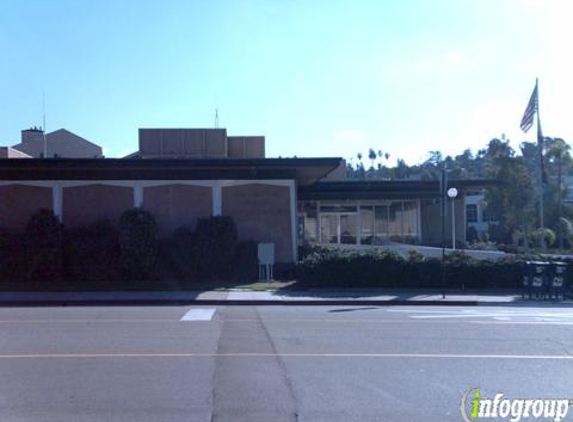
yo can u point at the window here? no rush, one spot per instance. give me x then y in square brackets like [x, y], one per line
[381, 224]
[329, 229]
[348, 229]
[471, 213]
[310, 223]
[410, 219]
[395, 222]
[338, 208]
[367, 229]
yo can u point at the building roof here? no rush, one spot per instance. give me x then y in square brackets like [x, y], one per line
[60, 142]
[391, 189]
[304, 170]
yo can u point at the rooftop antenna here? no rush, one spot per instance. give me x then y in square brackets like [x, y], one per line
[216, 118]
[44, 123]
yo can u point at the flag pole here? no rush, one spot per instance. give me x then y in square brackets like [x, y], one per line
[540, 146]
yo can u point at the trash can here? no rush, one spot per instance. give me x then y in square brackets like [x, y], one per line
[539, 279]
[526, 276]
[557, 277]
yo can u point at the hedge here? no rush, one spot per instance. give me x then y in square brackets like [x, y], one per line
[43, 246]
[92, 253]
[138, 244]
[216, 247]
[329, 267]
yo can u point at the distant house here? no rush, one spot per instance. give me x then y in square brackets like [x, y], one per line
[7, 152]
[58, 144]
[476, 215]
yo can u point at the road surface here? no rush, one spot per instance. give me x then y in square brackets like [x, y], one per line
[310, 363]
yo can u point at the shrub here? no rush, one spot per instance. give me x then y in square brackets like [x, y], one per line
[13, 256]
[374, 268]
[471, 234]
[541, 236]
[178, 255]
[331, 267]
[138, 243]
[247, 267]
[216, 247]
[92, 253]
[43, 244]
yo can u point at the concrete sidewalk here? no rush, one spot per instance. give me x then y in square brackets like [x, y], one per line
[283, 297]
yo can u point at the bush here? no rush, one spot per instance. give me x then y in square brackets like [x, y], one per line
[325, 267]
[543, 236]
[217, 247]
[472, 234]
[43, 244]
[138, 243]
[92, 253]
[13, 257]
[247, 267]
[178, 255]
[329, 267]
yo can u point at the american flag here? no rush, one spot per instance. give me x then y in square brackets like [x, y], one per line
[527, 119]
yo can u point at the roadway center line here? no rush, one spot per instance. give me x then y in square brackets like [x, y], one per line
[84, 321]
[281, 355]
[331, 321]
[407, 321]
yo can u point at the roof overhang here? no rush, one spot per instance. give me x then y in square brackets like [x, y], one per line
[305, 171]
[394, 189]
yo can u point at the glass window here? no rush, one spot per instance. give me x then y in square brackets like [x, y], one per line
[471, 213]
[380, 224]
[367, 225]
[338, 208]
[348, 229]
[410, 219]
[395, 221]
[328, 229]
[310, 225]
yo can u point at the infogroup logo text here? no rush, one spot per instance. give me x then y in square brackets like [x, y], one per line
[475, 407]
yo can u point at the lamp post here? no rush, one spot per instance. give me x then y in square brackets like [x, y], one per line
[443, 187]
[452, 194]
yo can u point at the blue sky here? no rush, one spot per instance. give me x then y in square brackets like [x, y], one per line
[317, 78]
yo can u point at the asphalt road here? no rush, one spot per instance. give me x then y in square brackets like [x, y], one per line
[276, 363]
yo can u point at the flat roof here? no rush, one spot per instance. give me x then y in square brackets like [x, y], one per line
[304, 170]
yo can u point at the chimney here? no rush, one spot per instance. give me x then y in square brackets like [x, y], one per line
[34, 133]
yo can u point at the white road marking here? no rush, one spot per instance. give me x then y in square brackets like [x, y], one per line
[199, 314]
[500, 315]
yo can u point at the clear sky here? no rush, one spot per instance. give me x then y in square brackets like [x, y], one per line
[316, 77]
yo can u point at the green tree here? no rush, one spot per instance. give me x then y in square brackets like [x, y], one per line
[512, 202]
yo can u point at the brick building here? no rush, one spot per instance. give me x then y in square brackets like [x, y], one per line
[180, 175]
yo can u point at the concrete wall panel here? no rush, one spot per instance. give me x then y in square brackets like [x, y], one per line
[177, 205]
[83, 205]
[262, 214]
[19, 202]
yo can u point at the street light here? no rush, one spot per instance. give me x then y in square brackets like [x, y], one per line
[452, 194]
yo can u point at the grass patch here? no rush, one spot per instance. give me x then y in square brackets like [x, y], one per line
[261, 286]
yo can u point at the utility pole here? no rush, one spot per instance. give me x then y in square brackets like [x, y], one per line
[443, 188]
[560, 158]
[540, 144]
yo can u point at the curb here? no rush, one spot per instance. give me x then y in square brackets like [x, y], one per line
[223, 302]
